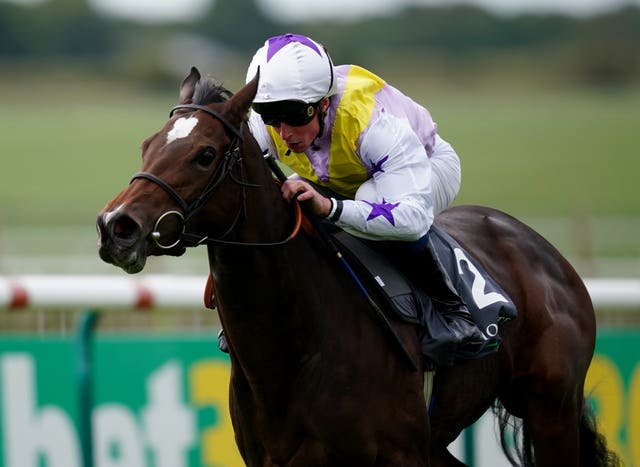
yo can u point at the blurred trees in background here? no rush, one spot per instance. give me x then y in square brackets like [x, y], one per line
[601, 50]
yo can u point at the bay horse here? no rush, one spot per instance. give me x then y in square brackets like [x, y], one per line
[314, 380]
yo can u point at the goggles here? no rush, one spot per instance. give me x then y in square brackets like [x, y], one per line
[292, 113]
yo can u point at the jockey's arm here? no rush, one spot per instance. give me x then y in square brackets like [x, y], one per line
[396, 202]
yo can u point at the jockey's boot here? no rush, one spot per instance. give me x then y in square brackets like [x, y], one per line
[438, 285]
[222, 341]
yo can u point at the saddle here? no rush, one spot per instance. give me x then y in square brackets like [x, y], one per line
[487, 302]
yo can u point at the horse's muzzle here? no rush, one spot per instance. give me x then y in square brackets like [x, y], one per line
[120, 241]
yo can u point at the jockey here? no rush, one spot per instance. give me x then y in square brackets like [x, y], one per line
[365, 156]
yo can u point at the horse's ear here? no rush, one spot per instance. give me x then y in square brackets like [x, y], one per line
[241, 101]
[188, 86]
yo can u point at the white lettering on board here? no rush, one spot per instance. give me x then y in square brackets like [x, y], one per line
[32, 432]
[29, 431]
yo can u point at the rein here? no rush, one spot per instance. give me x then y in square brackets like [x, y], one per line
[224, 169]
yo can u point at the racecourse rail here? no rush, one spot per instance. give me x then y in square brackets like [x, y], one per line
[178, 291]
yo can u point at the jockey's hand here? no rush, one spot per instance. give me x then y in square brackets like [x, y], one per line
[318, 204]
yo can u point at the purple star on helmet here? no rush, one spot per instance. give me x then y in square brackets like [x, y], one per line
[382, 209]
[278, 42]
[377, 166]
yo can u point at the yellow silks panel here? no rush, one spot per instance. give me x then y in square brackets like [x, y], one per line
[346, 172]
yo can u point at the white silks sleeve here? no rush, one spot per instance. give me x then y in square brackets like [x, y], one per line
[396, 202]
[259, 131]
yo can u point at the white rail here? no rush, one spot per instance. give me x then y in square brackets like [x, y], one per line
[614, 293]
[123, 292]
[173, 291]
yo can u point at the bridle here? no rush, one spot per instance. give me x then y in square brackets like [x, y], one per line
[231, 158]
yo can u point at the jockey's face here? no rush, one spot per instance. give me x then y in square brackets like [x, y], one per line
[299, 138]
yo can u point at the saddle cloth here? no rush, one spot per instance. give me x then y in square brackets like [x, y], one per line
[488, 303]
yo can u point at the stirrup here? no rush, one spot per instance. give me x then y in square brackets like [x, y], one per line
[222, 342]
[466, 331]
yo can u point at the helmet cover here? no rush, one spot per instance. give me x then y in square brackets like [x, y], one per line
[292, 67]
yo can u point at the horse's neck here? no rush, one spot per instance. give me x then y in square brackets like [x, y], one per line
[266, 217]
[265, 302]
[255, 283]
[254, 279]
[272, 299]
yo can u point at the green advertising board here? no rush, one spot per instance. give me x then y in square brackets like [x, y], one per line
[159, 402]
[162, 401]
[613, 386]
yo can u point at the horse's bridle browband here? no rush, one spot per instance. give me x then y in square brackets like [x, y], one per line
[230, 158]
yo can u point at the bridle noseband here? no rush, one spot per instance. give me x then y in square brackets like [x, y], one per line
[224, 169]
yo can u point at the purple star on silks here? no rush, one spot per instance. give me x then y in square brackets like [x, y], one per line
[278, 42]
[382, 209]
[377, 166]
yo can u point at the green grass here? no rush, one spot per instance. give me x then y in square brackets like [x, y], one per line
[546, 153]
[68, 147]
[64, 156]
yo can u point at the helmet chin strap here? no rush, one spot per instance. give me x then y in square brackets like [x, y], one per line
[322, 113]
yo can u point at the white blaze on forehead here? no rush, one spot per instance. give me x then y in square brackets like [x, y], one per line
[181, 128]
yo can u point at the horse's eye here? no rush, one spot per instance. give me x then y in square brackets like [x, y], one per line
[205, 157]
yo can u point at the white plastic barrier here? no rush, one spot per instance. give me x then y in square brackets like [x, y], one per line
[614, 293]
[169, 291]
[102, 291]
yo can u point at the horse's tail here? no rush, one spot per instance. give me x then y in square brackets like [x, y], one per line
[514, 437]
[516, 442]
[593, 445]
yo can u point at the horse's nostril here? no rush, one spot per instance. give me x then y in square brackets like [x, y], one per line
[124, 228]
[117, 228]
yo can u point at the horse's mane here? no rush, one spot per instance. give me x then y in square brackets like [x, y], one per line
[207, 91]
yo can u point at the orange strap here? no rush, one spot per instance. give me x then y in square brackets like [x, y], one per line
[209, 293]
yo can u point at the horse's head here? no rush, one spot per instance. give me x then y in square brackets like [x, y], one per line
[192, 159]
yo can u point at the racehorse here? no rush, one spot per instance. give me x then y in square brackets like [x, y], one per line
[314, 380]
